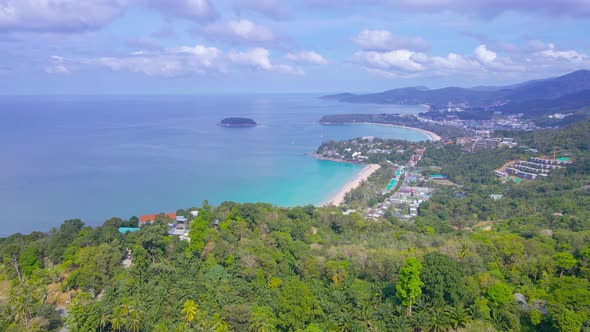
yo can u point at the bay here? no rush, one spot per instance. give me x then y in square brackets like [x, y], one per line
[94, 157]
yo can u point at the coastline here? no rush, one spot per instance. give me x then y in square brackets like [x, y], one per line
[432, 136]
[338, 198]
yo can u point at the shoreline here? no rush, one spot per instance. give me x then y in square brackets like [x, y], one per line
[338, 198]
[432, 136]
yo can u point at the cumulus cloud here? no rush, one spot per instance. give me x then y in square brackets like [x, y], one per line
[309, 57]
[383, 40]
[551, 51]
[274, 9]
[485, 8]
[240, 32]
[484, 55]
[405, 62]
[398, 60]
[83, 15]
[259, 59]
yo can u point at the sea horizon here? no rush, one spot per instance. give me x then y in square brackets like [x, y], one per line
[96, 157]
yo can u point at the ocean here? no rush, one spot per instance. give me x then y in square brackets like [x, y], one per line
[95, 157]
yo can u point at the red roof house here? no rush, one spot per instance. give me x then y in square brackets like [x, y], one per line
[149, 218]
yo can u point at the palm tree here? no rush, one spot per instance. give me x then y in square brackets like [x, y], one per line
[218, 324]
[20, 303]
[464, 251]
[135, 318]
[400, 323]
[189, 310]
[366, 313]
[421, 320]
[262, 320]
[103, 321]
[458, 317]
[117, 320]
[438, 321]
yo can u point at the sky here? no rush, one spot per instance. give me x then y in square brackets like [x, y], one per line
[274, 46]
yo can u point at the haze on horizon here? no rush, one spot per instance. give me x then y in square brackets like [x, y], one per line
[259, 46]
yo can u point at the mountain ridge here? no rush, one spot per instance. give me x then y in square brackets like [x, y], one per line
[486, 97]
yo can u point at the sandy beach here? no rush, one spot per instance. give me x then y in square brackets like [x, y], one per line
[432, 136]
[362, 176]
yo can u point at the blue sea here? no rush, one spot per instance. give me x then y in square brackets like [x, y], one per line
[95, 157]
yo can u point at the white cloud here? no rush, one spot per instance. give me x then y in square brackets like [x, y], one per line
[399, 60]
[452, 63]
[552, 52]
[57, 66]
[58, 15]
[82, 15]
[240, 32]
[205, 56]
[382, 40]
[310, 57]
[406, 63]
[171, 62]
[484, 55]
[259, 58]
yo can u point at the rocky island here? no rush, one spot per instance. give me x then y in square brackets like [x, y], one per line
[237, 122]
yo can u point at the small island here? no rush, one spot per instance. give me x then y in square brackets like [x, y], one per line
[237, 122]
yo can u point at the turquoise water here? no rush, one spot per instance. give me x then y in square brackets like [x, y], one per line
[97, 157]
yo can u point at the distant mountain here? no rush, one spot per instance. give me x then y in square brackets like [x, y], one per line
[571, 102]
[509, 87]
[487, 97]
[553, 88]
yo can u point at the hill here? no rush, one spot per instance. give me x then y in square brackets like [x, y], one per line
[486, 97]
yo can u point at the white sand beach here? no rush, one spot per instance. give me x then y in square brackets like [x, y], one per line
[432, 136]
[362, 176]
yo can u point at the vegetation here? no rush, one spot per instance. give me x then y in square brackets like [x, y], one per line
[237, 122]
[265, 268]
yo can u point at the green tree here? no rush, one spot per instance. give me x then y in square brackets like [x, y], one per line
[83, 314]
[567, 321]
[443, 279]
[565, 262]
[198, 231]
[408, 288]
[29, 261]
[297, 306]
[263, 320]
[499, 294]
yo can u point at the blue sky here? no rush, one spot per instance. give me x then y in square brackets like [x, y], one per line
[268, 46]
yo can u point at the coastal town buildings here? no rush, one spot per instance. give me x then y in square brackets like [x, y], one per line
[532, 168]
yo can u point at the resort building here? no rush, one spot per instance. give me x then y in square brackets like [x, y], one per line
[150, 218]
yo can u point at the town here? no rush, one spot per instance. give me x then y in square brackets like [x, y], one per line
[404, 182]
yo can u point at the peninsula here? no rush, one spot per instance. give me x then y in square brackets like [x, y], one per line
[237, 122]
